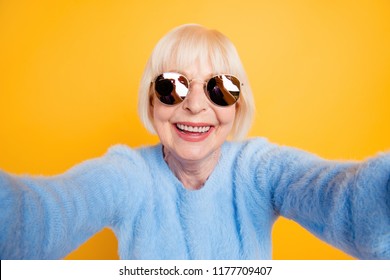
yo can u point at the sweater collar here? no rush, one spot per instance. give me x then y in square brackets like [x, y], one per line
[213, 184]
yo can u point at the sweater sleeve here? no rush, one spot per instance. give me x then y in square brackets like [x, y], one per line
[48, 217]
[346, 204]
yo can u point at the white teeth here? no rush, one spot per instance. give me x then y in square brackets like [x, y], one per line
[196, 129]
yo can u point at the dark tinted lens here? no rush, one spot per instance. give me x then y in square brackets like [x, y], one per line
[164, 87]
[171, 88]
[223, 90]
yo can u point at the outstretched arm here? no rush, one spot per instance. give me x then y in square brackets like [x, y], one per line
[48, 217]
[347, 204]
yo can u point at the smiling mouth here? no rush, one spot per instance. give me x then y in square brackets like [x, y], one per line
[193, 129]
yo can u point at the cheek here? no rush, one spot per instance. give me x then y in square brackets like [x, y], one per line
[226, 116]
[161, 116]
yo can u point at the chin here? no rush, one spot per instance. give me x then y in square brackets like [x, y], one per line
[193, 153]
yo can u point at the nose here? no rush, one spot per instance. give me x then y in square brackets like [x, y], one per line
[196, 100]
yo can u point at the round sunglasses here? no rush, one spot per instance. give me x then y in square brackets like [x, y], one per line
[171, 88]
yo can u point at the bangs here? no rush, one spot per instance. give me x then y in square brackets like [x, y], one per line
[185, 50]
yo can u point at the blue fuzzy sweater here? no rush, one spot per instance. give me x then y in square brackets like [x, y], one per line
[134, 192]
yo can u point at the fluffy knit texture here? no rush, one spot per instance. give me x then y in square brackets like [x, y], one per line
[133, 191]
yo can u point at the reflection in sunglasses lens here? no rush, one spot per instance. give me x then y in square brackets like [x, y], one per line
[164, 87]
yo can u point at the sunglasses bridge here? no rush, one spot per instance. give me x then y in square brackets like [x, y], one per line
[203, 82]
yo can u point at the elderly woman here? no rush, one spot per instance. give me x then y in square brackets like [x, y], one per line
[196, 195]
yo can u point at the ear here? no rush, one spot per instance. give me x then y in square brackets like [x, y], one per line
[151, 101]
[151, 96]
[151, 106]
[238, 104]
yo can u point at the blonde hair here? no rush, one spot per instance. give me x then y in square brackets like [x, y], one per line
[182, 47]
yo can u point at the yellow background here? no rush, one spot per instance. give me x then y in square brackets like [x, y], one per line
[69, 73]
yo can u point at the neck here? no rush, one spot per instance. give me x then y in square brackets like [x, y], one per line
[192, 173]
